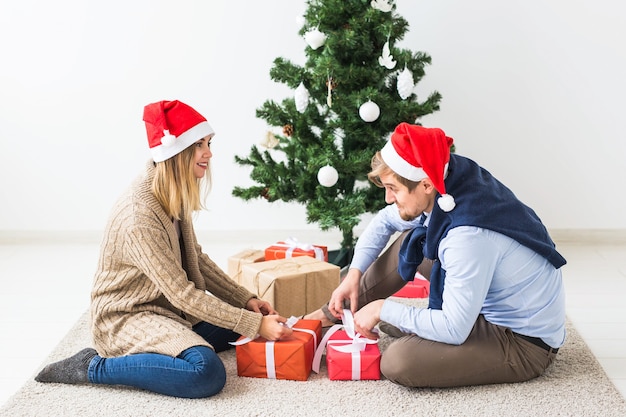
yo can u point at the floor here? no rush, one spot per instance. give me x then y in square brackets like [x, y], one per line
[45, 288]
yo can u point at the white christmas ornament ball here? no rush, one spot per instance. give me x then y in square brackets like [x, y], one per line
[327, 176]
[369, 111]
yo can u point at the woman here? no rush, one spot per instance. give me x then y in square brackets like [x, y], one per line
[161, 309]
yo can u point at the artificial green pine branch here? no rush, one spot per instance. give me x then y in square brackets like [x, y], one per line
[339, 75]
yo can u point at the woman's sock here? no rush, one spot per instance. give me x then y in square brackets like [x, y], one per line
[72, 370]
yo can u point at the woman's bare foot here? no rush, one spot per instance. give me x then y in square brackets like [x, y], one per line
[319, 315]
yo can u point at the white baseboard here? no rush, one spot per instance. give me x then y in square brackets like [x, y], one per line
[34, 237]
[589, 236]
[261, 237]
[249, 237]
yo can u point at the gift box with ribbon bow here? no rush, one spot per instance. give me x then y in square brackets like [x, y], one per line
[349, 356]
[291, 248]
[294, 286]
[236, 261]
[290, 358]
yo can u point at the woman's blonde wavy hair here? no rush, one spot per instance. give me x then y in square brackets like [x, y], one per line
[176, 187]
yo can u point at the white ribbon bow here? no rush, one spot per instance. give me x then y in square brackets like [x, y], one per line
[354, 346]
[292, 244]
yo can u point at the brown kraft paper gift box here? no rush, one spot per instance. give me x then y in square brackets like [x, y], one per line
[236, 261]
[294, 286]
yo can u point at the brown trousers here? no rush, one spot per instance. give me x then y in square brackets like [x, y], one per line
[491, 354]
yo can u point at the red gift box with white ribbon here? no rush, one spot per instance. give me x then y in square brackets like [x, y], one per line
[348, 355]
[345, 361]
[290, 358]
[291, 248]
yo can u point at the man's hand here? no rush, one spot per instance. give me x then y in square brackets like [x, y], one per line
[367, 318]
[347, 290]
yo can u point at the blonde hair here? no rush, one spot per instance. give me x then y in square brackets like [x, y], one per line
[379, 167]
[176, 187]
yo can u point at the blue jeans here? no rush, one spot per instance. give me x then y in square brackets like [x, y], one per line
[196, 373]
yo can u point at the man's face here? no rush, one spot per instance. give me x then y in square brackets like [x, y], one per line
[411, 204]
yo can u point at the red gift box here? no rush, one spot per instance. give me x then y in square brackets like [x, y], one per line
[355, 365]
[418, 288]
[292, 248]
[290, 358]
[348, 355]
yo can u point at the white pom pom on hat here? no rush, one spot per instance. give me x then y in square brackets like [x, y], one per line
[173, 126]
[416, 152]
[168, 139]
[446, 202]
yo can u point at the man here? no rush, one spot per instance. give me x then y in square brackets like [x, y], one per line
[496, 311]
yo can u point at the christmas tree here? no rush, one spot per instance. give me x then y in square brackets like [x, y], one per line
[356, 86]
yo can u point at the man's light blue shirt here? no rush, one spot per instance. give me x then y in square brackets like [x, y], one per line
[377, 234]
[486, 273]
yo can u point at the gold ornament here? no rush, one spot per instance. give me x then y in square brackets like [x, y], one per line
[329, 97]
[270, 140]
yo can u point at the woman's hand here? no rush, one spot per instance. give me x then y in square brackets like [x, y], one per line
[260, 306]
[273, 328]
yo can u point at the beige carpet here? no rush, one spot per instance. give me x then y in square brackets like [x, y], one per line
[575, 385]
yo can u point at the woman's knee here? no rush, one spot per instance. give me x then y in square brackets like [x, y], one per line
[209, 377]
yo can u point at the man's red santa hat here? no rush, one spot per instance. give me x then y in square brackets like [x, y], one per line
[416, 152]
[173, 126]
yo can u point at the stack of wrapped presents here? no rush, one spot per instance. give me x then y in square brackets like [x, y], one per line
[298, 279]
[294, 280]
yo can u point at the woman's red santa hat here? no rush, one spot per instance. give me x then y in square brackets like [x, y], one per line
[173, 126]
[416, 152]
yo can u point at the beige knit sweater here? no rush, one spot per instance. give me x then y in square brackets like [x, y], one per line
[148, 293]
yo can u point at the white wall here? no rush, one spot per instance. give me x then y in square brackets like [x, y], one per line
[533, 90]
